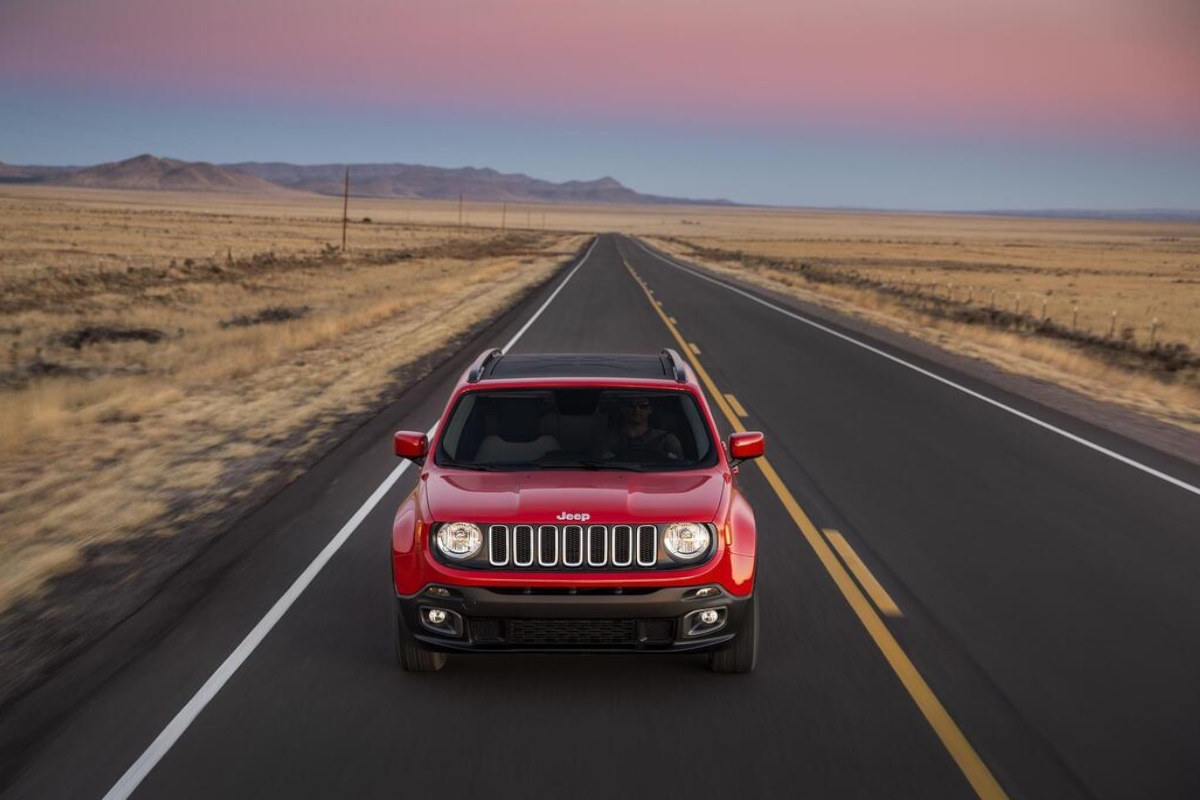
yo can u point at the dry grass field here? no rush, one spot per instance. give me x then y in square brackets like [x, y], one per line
[165, 356]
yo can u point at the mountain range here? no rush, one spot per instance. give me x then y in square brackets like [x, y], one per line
[409, 181]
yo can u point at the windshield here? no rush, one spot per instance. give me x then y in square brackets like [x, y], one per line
[577, 428]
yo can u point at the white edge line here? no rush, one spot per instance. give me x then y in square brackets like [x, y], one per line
[1027, 417]
[176, 727]
[165, 740]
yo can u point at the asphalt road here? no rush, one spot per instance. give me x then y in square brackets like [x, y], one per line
[1049, 592]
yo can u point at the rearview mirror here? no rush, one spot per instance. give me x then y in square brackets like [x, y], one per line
[411, 445]
[748, 444]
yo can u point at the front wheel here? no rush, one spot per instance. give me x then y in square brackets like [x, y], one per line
[741, 657]
[409, 652]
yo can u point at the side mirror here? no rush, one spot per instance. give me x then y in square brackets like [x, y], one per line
[749, 444]
[411, 445]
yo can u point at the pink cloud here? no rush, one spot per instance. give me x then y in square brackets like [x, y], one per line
[1071, 65]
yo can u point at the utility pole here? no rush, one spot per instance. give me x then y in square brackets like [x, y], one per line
[345, 207]
[503, 213]
[460, 212]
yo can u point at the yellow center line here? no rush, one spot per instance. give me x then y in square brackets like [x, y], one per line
[735, 405]
[883, 601]
[952, 738]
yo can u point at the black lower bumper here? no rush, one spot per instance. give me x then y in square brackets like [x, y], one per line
[479, 620]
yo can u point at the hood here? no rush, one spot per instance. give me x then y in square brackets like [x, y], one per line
[543, 497]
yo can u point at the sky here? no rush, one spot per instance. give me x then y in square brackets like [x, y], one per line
[920, 104]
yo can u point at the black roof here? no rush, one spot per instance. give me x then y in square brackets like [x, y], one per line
[581, 365]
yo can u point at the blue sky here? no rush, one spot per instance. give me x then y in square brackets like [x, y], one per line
[930, 104]
[812, 167]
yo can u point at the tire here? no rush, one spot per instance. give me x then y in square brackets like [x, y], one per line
[741, 657]
[409, 652]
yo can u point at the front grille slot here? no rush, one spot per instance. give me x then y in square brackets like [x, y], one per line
[523, 545]
[622, 545]
[647, 545]
[547, 546]
[498, 545]
[597, 543]
[572, 546]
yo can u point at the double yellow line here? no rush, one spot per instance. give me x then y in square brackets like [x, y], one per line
[952, 738]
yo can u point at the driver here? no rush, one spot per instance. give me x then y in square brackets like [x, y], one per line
[634, 432]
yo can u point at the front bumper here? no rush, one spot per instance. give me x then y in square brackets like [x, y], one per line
[531, 620]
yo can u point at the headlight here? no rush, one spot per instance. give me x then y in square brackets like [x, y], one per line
[459, 539]
[686, 540]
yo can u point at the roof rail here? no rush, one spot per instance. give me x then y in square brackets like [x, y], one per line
[676, 364]
[481, 363]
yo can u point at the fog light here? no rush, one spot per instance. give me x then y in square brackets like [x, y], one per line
[443, 621]
[437, 616]
[704, 621]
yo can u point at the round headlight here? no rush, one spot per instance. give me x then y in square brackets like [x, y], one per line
[459, 539]
[686, 540]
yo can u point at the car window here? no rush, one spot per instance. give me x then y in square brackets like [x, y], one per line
[577, 428]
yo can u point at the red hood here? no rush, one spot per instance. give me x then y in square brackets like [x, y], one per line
[607, 497]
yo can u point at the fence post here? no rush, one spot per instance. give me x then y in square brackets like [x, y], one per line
[345, 207]
[1112, 325]
[1153, 330]
[1074, 318]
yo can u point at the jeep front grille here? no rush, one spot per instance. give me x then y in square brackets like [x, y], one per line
[572, 546]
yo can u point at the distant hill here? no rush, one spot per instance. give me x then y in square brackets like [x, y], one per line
[410, 181]
[11, 173]
[438, 183]
[151, 172]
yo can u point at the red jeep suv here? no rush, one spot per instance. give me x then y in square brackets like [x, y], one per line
[576, 503]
